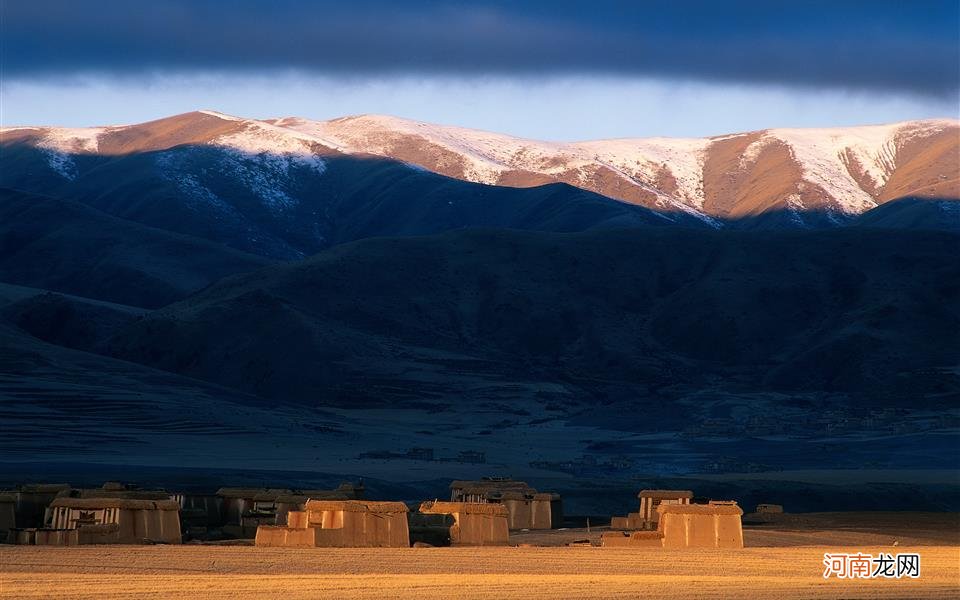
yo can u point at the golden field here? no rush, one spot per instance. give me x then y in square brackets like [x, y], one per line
[782, 560]
[213, 572]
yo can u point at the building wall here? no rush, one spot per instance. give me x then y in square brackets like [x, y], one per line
[297, 519]
[159, 525]
[700, 530]
[65, 517]
[57, 537]
[556, 513]
[648, 508]
[519, 513]
[339, 529]
[286, 537]
[99, 534]
[472, 529]
[25, 537]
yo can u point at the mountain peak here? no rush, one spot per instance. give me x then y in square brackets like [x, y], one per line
[220, 115]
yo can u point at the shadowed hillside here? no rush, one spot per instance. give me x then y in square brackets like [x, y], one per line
[291, 205]
[68, 247]
[914, 213]
[849, 310]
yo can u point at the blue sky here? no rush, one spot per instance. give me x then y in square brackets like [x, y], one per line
[551, 70]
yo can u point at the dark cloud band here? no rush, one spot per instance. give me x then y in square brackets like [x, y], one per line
[882, 45]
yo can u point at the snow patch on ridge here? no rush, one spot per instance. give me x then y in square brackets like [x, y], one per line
[272, 146]
[220, 115]
[643, 160]
[824, 156]
[849, 165]
[60, 144]
[833, 159]
[174, 169]
[486, 156]
[261, 156]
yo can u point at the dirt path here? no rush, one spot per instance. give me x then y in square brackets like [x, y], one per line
[529, 573]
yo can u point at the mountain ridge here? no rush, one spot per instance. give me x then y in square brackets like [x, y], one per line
[841, 171]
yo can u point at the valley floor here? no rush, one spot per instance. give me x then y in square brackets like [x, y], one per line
[777, 563]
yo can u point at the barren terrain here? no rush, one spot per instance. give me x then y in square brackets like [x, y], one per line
[778, 562]
[579, 572]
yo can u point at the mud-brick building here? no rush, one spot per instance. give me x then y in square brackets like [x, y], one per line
[117, 520]
[526, 507]
[340, 524]
[245, 509]
[472, 523]
[647, 516]
[713, 525]
[235, 502]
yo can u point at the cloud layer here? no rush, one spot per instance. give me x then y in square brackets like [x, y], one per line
[881, 45]
[562, 108]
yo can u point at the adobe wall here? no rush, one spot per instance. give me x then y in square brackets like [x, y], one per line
[156, 525]
[56, 537]
[338, 529]
[479, 530]
[619, 523]
[526, 513]
[274, 536]
[475, 524]
[99, 534]
[541, 516]
[519, 513]
[297, 518]
[23, 537]
[701, 526]
[630, 522]
[375, 530]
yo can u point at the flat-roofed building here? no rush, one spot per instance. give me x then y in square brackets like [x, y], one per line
[713, 525]
[474, 523]
[340, 524]
[647, 516]
[526, 507]
[117, 520]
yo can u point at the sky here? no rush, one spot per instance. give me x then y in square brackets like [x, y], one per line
[555, 70]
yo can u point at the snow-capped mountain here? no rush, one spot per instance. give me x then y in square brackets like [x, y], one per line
[834, 173]
[845, 171]
[279, 192]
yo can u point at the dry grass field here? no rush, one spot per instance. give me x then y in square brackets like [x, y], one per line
[781, 560]
[213, 572]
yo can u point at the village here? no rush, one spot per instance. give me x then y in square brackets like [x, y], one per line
[485, 512]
